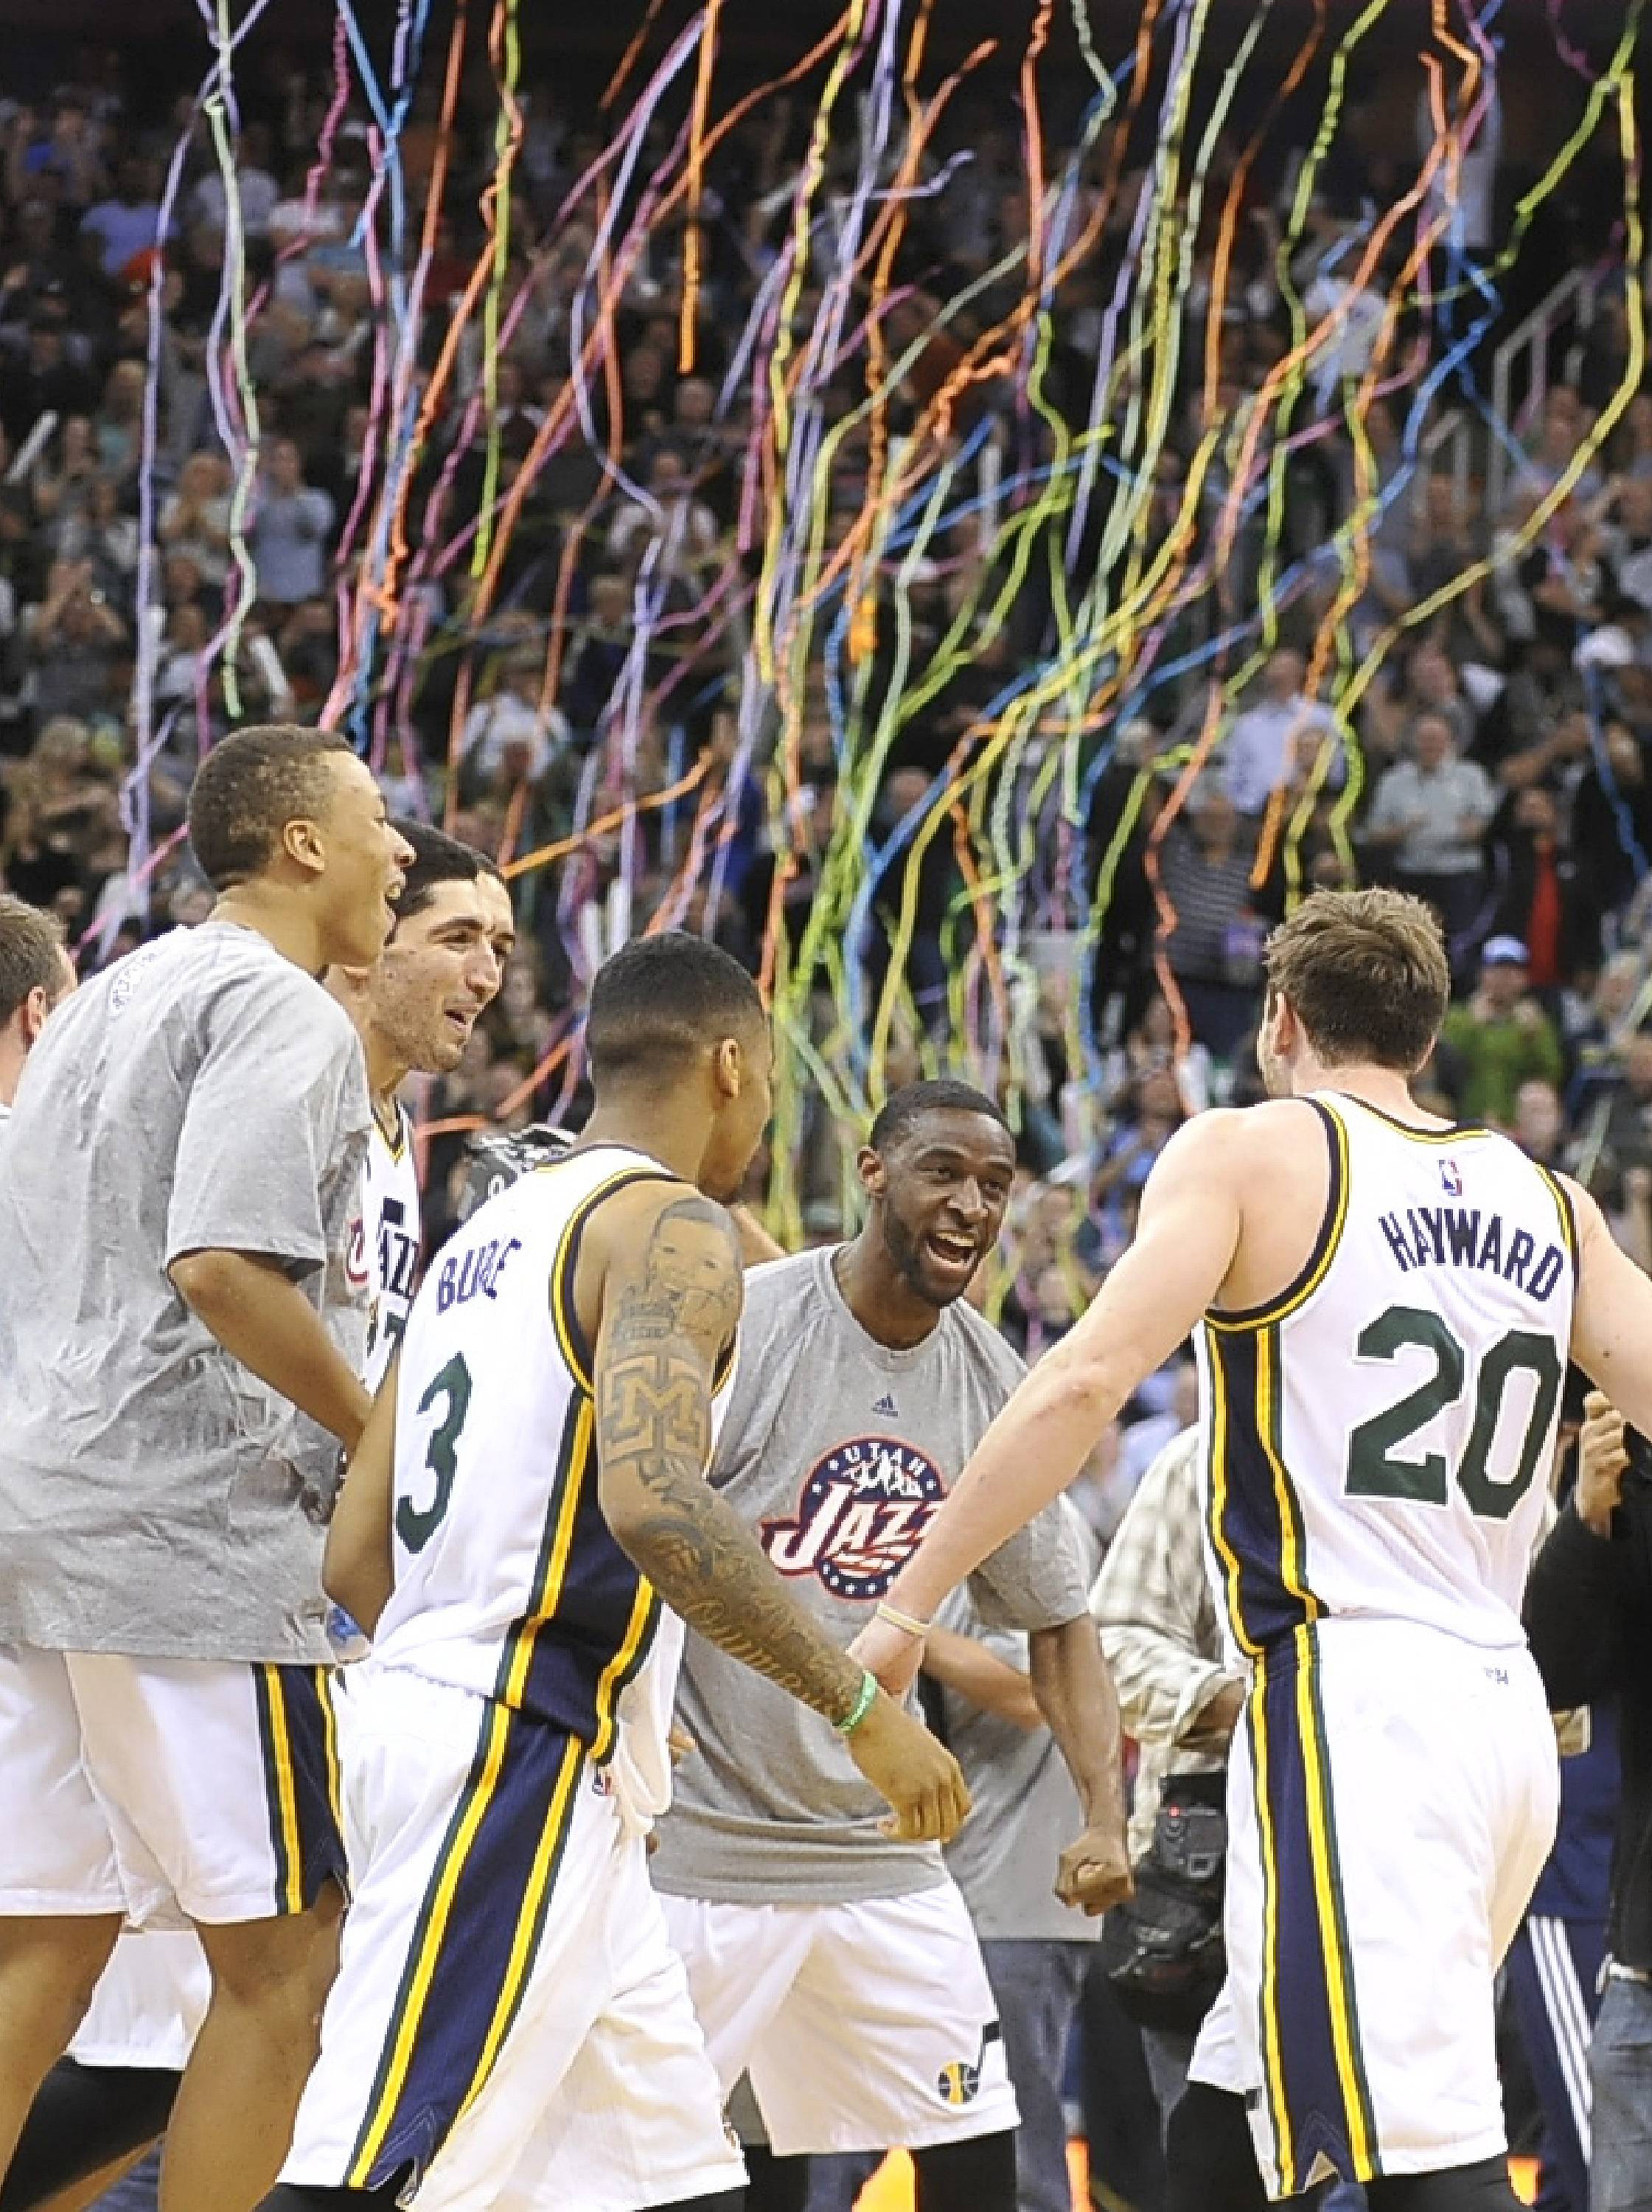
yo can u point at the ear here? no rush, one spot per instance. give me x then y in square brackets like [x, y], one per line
[301, 841]
[728, 1068]
[34, 1010]
[874, 1176]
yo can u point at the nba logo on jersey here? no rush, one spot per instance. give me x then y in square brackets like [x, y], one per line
[1451, 1177]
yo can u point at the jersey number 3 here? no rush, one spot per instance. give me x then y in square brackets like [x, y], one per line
[415, 1527]
[1374, 1469]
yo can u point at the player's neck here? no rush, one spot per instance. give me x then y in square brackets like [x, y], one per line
[642, 1126]
[386, 1072]
[879, 1297]
[1385, 1087]
[287, 928]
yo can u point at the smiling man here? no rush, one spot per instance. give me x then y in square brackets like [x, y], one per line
[415, 1011]
[837, 1969]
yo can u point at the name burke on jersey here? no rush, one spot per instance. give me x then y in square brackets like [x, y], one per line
[1464, 1236]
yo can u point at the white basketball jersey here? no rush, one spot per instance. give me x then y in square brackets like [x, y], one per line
[507, 1582]
[1379, 1438]
[389, 1225]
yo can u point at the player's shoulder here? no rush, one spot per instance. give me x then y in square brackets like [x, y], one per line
[1239, 1138]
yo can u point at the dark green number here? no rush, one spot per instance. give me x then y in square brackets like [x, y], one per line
[1374, 1471]
[1521, 1348]
[416, 1529]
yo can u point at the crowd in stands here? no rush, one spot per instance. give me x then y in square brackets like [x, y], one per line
[1501, 766]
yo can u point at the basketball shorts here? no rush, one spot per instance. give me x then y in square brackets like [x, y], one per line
[1392, 1798]
[167, 1790]
[510, 2024]
[861, 2026]
[149, 2004]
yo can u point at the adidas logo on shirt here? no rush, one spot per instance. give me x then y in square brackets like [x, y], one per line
[884, 1405]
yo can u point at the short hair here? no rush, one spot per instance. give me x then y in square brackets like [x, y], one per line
[31, 953]
[937, 1095]
[437, 859]
[248, 788]
[659, 1002]
[1366, 975]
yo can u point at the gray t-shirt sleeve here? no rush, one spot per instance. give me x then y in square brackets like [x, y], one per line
[260, 1121]
[1037, 1580]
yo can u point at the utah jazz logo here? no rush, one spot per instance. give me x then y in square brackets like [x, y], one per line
[862, 1512]
[959, 2083]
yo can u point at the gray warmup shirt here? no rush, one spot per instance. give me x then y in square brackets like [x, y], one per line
[838, 1452]
[156, 1498]
[1024, 1811]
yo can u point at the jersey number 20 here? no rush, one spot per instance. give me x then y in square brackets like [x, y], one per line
[415, 1527]
[1374, 1469]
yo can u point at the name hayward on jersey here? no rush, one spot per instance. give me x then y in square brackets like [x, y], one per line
[1379, 1438]
[390, 1229]
[508, 1582]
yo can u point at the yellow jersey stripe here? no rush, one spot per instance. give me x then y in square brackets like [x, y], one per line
[281, 1756]
[1324, 1251]
[529, 1920]
[330, 1745]
[1293, 1570]
[1218, 1497]
[410, 2003]
[1338, 1972]
[1272, 2039]
[1563, 1206]
[550, 1587]
[614, 1674]
[563, 1319]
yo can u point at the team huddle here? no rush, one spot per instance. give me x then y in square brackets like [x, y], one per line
[502, 1654]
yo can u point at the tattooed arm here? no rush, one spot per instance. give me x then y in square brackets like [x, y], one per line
[670, 1293]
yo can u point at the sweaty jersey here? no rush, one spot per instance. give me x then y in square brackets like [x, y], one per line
[390, 1228]
[508, 1581]
[1379, 1438]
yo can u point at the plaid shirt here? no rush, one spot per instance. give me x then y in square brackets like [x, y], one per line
[1153, 1603]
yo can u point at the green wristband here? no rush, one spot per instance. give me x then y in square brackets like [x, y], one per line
[863, 1705]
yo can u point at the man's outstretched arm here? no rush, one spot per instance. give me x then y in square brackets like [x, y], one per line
[1185, 1243]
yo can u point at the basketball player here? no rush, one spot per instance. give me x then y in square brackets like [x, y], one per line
[414, 1011]
[36, 974]
[529, 1494]
[181, 1182]
[1385, 1304]
[837, 1969]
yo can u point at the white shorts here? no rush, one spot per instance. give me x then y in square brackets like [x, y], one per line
[149, 2004]
[1391, 1800]
[865, 2026]
[165, 1790]
[510, 2024]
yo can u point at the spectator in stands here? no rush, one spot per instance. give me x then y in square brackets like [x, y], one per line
[1501, 1037]
[1273, 744]
[1213, 941]
[1430, 817]
[195, 518]
[511, 737]
[75, 645]
[291, 524]
[126, 224]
